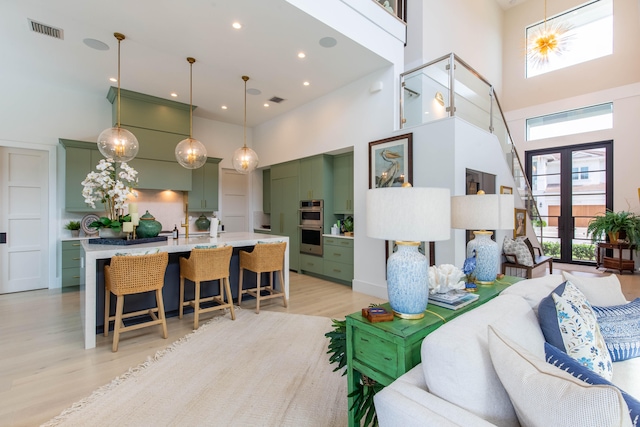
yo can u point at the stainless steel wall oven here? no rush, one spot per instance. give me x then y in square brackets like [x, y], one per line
[311, 226]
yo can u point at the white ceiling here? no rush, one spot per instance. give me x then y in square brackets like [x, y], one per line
[160, 34]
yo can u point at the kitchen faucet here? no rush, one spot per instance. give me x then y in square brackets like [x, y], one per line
[186, 215]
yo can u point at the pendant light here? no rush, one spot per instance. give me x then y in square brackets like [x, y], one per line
[551, 39]
[117, 143]
[190, 152]
[245, 159]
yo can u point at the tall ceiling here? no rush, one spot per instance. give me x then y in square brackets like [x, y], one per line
[161, 34]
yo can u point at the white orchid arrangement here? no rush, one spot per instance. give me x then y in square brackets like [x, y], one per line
[112, 188]
[445, 278]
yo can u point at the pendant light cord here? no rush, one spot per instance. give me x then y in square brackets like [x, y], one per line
[119, 37]
[245, 78]
[191, 61]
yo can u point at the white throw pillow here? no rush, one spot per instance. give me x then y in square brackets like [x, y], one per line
[544, 395]
[519, 248]
[602, 291]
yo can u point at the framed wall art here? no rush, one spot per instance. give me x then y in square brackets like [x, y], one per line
[390, 161]
[520, 216]
[506, 190]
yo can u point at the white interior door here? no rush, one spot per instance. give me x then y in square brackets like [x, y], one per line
[23, 217]
[234, 201]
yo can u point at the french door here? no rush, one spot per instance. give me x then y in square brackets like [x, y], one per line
[571, 185]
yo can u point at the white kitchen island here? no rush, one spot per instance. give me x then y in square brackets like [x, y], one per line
[94, 255]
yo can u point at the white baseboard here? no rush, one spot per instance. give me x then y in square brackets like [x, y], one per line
[370, 289]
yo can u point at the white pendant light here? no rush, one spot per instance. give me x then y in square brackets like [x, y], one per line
[117, 143]
[245, 159]
[190, 152]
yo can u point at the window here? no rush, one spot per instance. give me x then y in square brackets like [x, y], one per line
[589, 36]
[580, 173]
[587, 119]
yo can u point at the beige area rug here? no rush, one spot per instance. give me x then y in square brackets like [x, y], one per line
[267, 369]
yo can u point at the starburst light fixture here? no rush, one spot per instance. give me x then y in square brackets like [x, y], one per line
[245, 159]
[548, 40]
[190, 152]
[117, 143]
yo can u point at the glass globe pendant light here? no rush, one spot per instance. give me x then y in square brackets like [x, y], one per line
[117, 143]
[245, 159]
[190, 152]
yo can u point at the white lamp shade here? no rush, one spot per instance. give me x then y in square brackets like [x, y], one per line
[482, 212]
[410, 214]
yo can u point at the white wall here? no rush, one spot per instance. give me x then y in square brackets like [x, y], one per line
[472, 29]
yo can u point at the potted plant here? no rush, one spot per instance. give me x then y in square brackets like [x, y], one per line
[74, 226]
[348, 226]
[621, 225]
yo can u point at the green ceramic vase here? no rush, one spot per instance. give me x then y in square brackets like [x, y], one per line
[202, 223]
[148, 226]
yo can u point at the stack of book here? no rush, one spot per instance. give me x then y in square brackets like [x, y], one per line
[453, 300]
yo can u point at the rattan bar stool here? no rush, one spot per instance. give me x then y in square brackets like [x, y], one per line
[129, 275]
[266, 257]
[201, 266]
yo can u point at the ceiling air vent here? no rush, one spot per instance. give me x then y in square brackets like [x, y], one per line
[276, 99]
[47, 30]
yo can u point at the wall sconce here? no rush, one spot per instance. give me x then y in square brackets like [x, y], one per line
[440, 98]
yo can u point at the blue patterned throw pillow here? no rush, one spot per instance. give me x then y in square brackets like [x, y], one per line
[561, 360]
[620, 327]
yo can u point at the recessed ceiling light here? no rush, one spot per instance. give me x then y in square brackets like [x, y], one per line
[266, 104]
[113, 79]
[224, 107]
[254, 91]
[328, 42]
[301, 55]
[306, 83]
[236, 25]
[175, 95]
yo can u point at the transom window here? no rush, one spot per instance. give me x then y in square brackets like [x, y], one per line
[587, 119]
[588, 35]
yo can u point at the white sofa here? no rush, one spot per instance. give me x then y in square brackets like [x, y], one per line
[457, 385]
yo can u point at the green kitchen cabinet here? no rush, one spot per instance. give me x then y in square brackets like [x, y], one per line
[203, 196]
[284, 214]
[161, 175]
[343, 184]
[70, 268]
[316, 177]
[81, 158]
[311, 263]
[286, 170]
[266, 191]
[338, 259]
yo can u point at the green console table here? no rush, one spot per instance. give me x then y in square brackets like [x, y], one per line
[384, 351]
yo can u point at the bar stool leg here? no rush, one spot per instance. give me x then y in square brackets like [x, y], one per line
[229, 297]
[181, 306]
[107, 306]
[196, 305]
[258, 278]
[240, 287]
[161, 315]
[284, 295]
[118, 322]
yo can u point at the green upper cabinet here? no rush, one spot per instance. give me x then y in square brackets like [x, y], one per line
[343, 183]
[266, 191]
[150, 112]
[161, 175]
[285, 170]
[203, 196]
[316, 177]
[81, 158]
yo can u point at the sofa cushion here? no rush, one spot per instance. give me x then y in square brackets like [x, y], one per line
[561, 360]
[602, 291]
[544, 395]
[620, 327]
[534, 290]
[517, 248]
[456, 362]
[568, 314]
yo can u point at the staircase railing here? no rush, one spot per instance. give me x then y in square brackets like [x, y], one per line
[447, 87]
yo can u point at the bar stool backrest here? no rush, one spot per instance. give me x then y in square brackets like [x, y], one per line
[266, 257]
[134, 274]
[210, 263]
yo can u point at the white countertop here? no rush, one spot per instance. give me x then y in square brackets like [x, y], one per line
[339, 236]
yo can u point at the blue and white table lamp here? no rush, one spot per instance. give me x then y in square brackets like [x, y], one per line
[408, 216]
[482, 212]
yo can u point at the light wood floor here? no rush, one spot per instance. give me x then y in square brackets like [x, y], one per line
[44, 367]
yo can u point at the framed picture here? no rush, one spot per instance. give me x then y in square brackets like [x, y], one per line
[520, 216]
[391, 161]
[428, 249]
[506, 190]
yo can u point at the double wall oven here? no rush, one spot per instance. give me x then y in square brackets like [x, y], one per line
[311, 226]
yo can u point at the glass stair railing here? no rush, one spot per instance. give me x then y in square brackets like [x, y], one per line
[448, 87]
